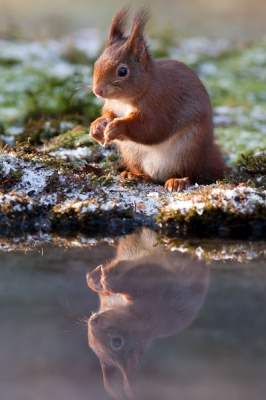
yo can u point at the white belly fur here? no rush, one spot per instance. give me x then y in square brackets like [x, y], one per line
[159, 161]
[120, 108]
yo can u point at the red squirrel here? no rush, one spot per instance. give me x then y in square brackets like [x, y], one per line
[158, 112]
[144, 293]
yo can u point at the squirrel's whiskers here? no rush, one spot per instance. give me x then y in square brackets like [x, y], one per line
[79, 89]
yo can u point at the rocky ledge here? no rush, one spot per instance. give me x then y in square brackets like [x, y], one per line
[56, 179]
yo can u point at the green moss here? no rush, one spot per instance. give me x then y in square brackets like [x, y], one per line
[112, 157]
[9, 62]
[128, 183]
[250, 169]
[52, 97]
[103, 180]
[234, 91]
[30, 153]
[39, 130]
[253, 164]
[240, 77]
[111, 162]
[15, 174]
[69, 140]
[35, 93]
[75, 56]
[235, 140]
[9, 179]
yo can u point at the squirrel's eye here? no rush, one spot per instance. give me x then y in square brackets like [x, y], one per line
[122, 71]
[117, 342]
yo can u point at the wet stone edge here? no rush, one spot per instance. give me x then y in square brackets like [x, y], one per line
[211, 224]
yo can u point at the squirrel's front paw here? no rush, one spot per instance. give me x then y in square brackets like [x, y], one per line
[97, 129]
[108, 282]
[112, 279]
[103, 279]
[113, 131]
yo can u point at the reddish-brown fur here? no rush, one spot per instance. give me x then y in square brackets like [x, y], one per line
[159, 114]
[144, 294]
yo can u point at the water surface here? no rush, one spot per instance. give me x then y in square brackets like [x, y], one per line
[45, 303]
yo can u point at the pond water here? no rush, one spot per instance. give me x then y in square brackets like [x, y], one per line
[211, 314]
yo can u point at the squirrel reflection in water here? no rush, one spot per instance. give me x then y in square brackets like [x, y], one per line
[144, 293]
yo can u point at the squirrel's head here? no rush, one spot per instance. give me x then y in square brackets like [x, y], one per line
[121, 72]
[113, 337]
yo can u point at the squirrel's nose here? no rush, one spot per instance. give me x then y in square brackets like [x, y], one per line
[98, 92]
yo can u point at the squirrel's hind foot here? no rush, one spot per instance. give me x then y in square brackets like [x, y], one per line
[140, 177]
[176, 184]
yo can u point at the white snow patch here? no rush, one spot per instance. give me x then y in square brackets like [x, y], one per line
[89, 208]
[33, 180]
[78, 153]
[153, 194]
[15, 130]
[33, 174]
[181, 248]
[109, 205]
[87, 40]
[17, 207]
[29, 51]
[208, 68]
[48, 200]
[61, 70]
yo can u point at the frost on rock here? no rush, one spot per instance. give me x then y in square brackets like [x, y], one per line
[76, 199]
[236, 200]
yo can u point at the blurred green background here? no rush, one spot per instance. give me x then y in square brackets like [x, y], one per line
[227, 18]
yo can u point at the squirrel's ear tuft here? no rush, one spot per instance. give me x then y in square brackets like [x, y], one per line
[118, 25]
[137, 39]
